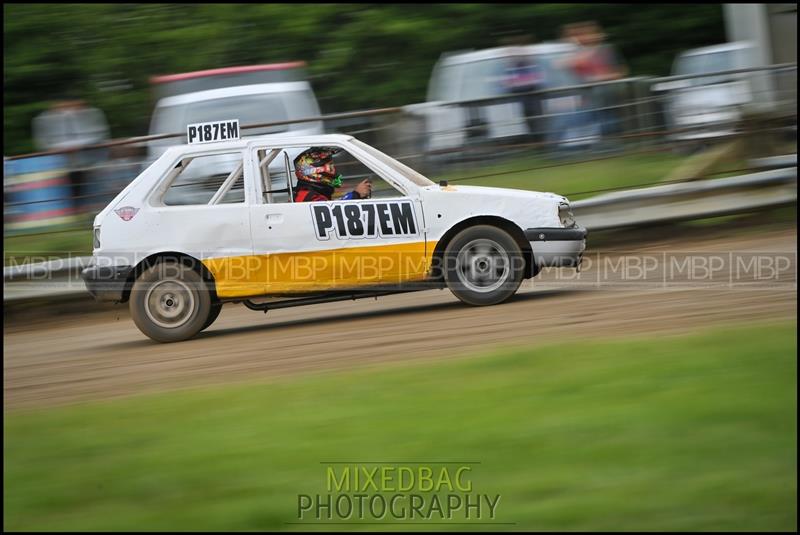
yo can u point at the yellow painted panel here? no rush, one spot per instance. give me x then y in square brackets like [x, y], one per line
[242, 276]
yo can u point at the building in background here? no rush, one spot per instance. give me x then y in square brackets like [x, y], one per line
[772, 28]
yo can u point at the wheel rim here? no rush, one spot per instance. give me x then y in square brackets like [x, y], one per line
[169, 304]
[483, 265]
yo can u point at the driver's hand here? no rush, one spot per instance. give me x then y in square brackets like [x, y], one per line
[364, 189]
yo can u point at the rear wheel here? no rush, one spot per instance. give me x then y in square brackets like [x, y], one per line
[171, 302]
[216, 308]
[484, 265]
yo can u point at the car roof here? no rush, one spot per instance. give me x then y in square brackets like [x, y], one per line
[507, 51]
[725, 47]
[235, 91]
[283, 139]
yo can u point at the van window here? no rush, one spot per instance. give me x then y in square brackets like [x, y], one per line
[249, 109]
[70, 128]
[168, 120]
[486, 78]
[301, 105]
[483, 79]
[446, 83]
[725, 60]
[705, 63]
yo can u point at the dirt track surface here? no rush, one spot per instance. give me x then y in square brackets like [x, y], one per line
[97, 356]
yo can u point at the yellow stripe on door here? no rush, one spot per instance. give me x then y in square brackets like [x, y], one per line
[242, 276]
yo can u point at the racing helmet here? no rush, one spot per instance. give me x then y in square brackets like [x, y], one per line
[315, 165]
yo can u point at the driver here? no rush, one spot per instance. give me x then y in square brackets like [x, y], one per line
[317, 178]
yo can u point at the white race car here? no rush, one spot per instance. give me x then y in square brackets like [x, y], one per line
[247, 241]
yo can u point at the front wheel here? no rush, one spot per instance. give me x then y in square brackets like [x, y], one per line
[484, 265]
[170, 302]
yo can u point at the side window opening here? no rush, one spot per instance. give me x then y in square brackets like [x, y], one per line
[210, 179]
[232, 191]
[280, 184]
[353, 171]
[276, 185]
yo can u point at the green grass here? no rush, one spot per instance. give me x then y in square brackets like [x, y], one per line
[672, 433]
[573, 179]
[24, 249]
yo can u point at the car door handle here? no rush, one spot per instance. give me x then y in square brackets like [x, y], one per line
[274, 218]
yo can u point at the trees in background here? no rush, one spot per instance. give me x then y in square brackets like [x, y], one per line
[359, 55]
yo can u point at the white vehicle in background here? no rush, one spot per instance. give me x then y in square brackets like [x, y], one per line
[246, 241]
[255, 94]
[480, 74]
[700, 107]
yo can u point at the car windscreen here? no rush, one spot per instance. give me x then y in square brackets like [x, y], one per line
[407, 172]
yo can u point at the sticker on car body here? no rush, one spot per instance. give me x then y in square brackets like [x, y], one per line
[126, 213]
[212, 132]
[385, 219]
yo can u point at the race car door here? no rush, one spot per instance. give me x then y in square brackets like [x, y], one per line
[333, 245]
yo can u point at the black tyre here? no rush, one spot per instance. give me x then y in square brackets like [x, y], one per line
[483, 265]
[216, 308]
[170, 302]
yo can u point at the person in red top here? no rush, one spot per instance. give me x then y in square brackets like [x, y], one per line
[597, 61]
[317, 179]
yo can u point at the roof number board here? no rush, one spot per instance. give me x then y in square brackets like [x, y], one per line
[212, 132]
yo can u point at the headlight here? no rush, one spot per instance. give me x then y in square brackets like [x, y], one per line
[96, 238]
[565, 215]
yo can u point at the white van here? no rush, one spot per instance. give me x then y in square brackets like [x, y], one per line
[252, 94]
[702, 107]
[479, 74]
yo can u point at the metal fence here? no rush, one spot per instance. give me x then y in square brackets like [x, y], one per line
[60, 191]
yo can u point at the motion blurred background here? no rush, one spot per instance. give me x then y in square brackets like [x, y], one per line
[524, 94]
[661, 428]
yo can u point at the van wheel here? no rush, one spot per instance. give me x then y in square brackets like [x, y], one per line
[484, 265]
[170, 302]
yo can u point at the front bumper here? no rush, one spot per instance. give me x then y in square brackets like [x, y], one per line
[106, 283]
[557, 247]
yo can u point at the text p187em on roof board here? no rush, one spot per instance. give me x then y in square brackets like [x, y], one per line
[212, 132]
